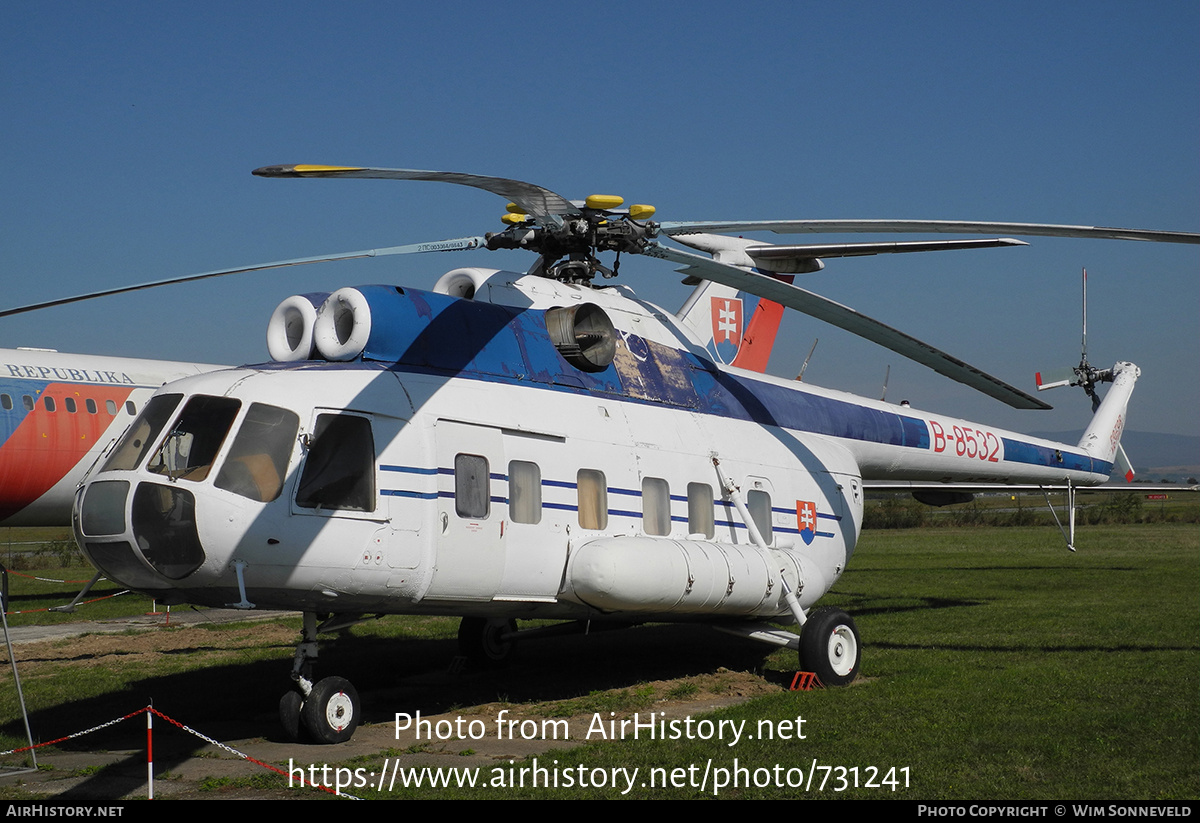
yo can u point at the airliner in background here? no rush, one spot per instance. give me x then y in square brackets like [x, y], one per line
[58, 411]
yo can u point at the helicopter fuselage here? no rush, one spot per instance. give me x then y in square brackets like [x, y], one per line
[462, 462]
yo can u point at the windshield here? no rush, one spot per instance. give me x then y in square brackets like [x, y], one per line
[136, 441]
[188, 451]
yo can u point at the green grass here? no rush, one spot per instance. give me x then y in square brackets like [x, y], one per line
[997, 665]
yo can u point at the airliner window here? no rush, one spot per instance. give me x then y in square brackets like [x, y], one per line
[142, 433]
[472, 486]
[91, 406]
[27, 402]
[188, 451]
[6, 401]
[110, 406]
[49, 403]
[70, 404]
[258, 459]
[339, 471]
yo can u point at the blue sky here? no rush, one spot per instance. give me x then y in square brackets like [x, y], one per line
[131, 130]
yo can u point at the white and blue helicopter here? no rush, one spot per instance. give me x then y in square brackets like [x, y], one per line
[517, 446]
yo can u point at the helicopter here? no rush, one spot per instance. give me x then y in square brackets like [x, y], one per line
[538, 445]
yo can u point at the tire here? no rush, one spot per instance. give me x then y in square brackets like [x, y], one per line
[332, 711]
[289, 714]
[830, 646]
[480, 641]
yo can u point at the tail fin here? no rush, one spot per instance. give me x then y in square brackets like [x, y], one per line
[713, 313]
[1102, 439]
[759, 339]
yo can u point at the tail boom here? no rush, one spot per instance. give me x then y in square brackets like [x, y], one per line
[1102, 439]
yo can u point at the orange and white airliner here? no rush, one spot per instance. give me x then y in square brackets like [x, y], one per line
[58, 412]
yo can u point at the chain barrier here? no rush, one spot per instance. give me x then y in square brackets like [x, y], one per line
[189, 730]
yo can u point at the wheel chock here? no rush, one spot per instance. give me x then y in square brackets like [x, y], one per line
[806, 682]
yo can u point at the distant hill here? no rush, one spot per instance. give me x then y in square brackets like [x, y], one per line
[1154, 456]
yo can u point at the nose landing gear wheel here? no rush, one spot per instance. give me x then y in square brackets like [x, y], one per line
[830, 646]
[289, 714]
[332, 711]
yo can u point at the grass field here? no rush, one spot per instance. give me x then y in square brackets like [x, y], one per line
[997, 665]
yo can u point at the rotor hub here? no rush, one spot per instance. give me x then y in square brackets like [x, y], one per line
[579, 239]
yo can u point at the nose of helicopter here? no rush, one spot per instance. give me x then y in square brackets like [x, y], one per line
[151, 515]
[138, 532]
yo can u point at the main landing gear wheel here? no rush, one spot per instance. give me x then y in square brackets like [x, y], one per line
[289, 714]
[830, 646]
[482, 640]
[331, 712]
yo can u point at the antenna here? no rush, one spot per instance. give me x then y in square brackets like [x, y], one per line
[804, 365]
[1083, 359]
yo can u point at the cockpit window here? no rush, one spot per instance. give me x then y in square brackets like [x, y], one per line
[142, 433]
[258, 459]
[339, 472]
[188, 451]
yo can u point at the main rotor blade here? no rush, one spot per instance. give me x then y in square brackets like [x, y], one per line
[846, 318]
[459, 244]
[534, 200]
[933, 226]
[810, 250]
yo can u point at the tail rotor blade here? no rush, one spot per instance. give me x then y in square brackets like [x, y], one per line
[1054, 378]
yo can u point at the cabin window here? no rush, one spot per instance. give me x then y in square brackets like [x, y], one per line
[48, 402]
[700, 510]
[656, 506]
[188, 452]
[27, 402]
[524, 492]
[339, 471]
[70, 404]
[110, 406]
[6, 402]
[130, 408]
[593, 499]
[759, 505]
[142, 433]
[90, 404]
[472, 486]
[258, 459]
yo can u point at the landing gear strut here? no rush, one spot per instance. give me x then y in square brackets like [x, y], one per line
[328, 711]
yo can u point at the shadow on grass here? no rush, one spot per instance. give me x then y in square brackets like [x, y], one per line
[237, 701]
